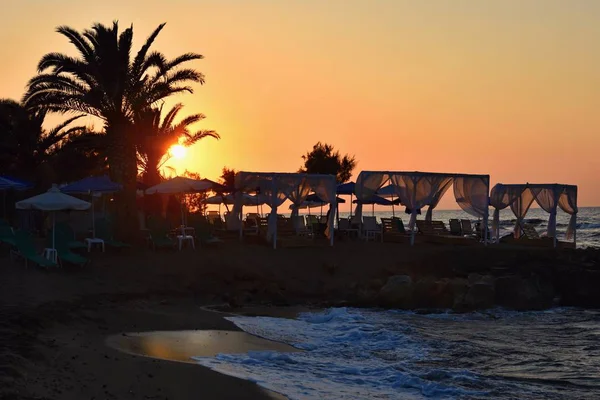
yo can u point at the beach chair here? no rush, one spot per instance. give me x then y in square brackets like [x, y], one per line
[7, 235]
[25, 249]
[61, 244]
[215, 219]
[529, 232]
[455, 227]
[467, 228]
[299, 224]
[370, 229]
[104, 232]
[285, 227]
[159, 235]
[393, 230]
[250, 224]
[203, 232]
[439, 228]
[425, 227]
[66, 230]
[345, 228]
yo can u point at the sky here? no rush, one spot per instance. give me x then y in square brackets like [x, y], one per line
[506, 88]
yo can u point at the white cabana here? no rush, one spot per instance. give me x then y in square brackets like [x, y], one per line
[279, 187]
[549, 196]
[419, 189]
[53, 200]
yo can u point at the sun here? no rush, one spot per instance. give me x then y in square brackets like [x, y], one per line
[178, 151]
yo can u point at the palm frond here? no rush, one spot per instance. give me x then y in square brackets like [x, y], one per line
[196, 136]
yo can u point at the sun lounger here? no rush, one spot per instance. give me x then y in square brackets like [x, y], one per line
[104, 232]
[393, 230]
[202, 230]
[299, 224]
[345, 228]
[69, 234]
[159, 235]
[7, 235]
[467, 228]
[61, 244]
[25, 248]
[370, 230]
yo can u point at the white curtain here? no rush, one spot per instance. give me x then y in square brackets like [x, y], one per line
[568, 203]
[297, 196]
[520, 207]
[472, 195]
[418, 190]
[501, 197]
[435, 199]
[547, 198]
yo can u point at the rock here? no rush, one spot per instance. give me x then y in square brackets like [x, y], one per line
[477, 278]
[397, 292]
[366, 297]
[376, 284]
[431, 293]
[519, 293]
[579, 288]
[480, 295]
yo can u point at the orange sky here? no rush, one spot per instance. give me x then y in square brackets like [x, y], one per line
[508, 88]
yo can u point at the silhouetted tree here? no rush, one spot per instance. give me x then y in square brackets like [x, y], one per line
[79, 157]
[193, 201]
[25, 146]
[323, 160]
[104, 81]
[227, 178]
[157, 137]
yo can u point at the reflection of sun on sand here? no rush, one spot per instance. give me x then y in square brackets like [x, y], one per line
[182, 345]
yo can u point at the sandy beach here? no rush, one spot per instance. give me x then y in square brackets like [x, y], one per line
[55, 323]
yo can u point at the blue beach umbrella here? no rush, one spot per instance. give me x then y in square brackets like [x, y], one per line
[92, 185]
[8, 183]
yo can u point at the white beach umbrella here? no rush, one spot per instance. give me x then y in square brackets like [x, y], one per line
[180, 185]
[53, 200]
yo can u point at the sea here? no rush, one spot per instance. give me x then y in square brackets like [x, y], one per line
[356, 354]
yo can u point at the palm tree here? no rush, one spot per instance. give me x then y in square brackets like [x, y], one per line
[106, 82]
[25, 146]
[156, 138]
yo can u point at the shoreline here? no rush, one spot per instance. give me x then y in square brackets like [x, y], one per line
[55, 323]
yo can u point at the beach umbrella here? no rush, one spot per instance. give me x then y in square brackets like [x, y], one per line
[348, 190]
[53, 200]
[181, 185]
[93, 186]
[377, 200]
[8, 183]
[389, 191]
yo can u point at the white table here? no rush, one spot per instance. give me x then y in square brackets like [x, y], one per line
[92, 241]
[186, 238]
[51, 255]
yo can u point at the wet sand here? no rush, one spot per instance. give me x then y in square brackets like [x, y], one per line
[182, 346]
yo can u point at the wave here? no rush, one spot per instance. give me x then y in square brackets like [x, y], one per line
[357, 354]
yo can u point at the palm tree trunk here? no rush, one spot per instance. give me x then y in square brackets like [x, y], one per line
[122, 160]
